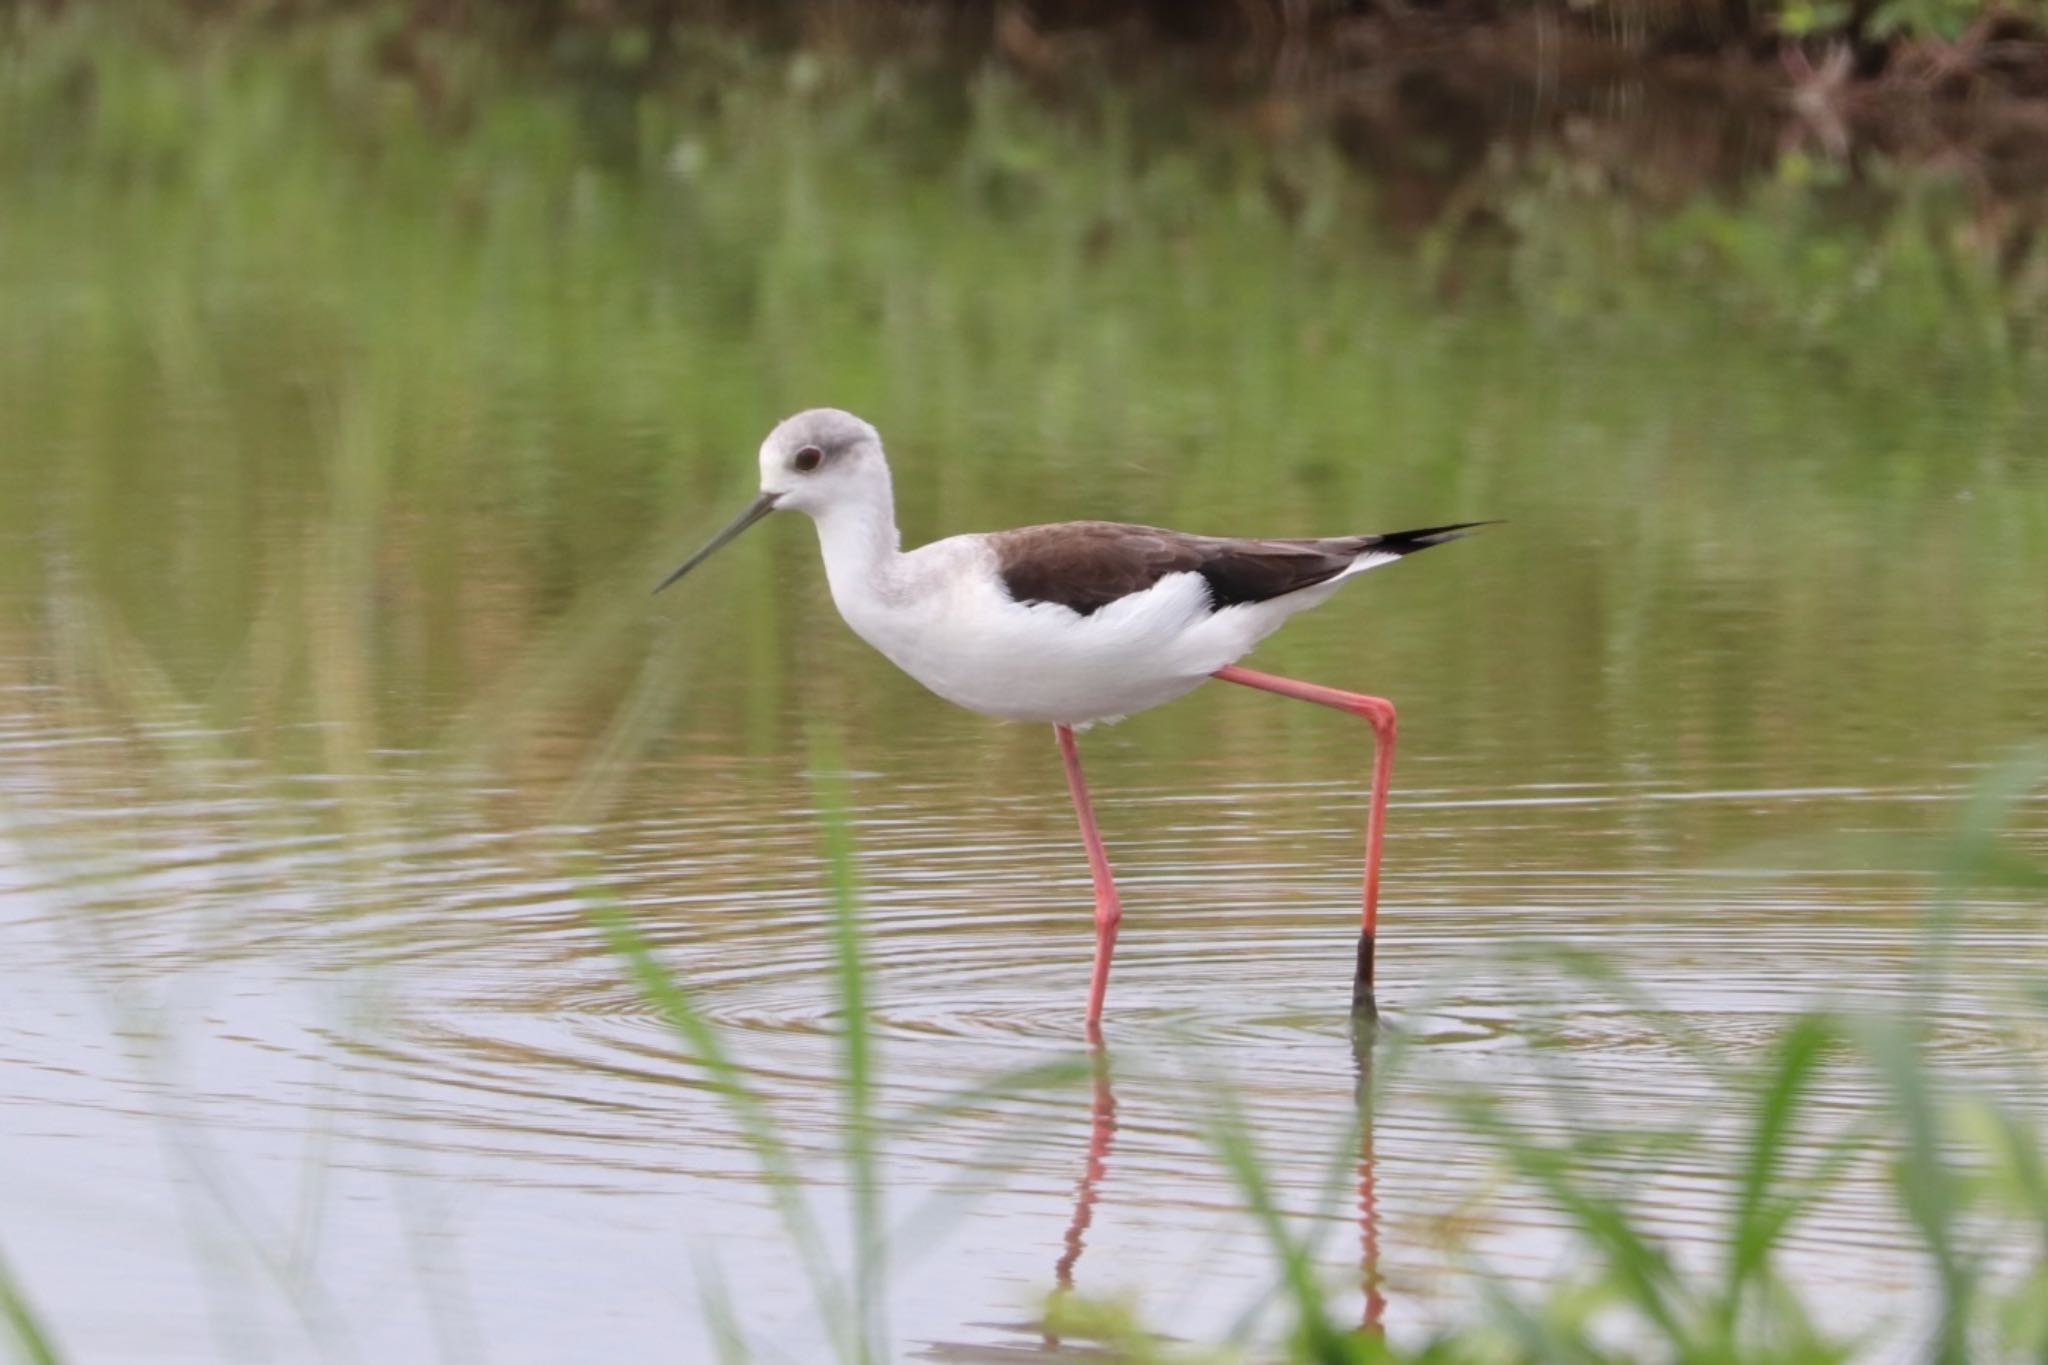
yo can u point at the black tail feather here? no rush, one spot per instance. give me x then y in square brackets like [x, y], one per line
[1408, 542]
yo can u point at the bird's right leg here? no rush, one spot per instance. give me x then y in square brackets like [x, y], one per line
[1377, 712]
[1108, 913]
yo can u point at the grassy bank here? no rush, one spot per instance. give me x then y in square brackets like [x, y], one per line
[1251, 36]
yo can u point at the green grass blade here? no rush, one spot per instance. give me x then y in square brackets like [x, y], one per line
[1759, 1217]
[1316, 1335]
[857, 1061]
[1929, 1192]
[31, 1341]
[714, 1301]
[1636, 1265]
[729, 1081]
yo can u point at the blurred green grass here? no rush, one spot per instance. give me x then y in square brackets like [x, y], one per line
[349, 397]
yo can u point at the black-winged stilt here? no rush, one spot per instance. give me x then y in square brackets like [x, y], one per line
[1072, 623]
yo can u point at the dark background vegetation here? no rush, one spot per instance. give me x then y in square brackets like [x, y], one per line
[1666, 97]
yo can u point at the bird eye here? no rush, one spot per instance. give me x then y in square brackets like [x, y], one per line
[807, 459]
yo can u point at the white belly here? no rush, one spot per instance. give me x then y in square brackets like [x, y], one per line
[966, 640]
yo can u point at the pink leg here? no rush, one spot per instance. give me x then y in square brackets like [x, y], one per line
[1379, 713]
[1107, 911]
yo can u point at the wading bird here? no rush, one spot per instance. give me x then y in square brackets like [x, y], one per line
[1072, 623]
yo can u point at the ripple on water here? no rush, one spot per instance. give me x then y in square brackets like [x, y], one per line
[484, 1013]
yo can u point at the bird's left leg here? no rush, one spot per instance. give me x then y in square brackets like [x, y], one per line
[1107, 911]
[1379, 713]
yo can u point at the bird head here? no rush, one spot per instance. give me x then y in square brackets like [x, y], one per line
[818, 458]
[810, 463]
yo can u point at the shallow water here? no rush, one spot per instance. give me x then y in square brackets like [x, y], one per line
[330, 694]
[401, 1064]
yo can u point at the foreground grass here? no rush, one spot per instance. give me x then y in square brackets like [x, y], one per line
[1968, 1170]
[31, 1341]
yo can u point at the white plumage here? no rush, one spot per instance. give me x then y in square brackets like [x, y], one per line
[945, 613]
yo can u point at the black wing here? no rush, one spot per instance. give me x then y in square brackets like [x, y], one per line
[1086, 565]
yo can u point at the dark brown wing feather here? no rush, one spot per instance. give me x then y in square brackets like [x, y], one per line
[1086, 565]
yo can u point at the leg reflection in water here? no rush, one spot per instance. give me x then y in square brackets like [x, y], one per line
[1363, 1031]
[1101, 1131]
[1102, 1134]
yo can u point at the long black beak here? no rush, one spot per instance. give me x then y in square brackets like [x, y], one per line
[757, 509]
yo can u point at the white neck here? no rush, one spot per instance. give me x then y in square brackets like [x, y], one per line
[859, 539]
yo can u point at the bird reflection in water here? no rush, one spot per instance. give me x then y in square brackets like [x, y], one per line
[1101, 1133]
[1102, 1137]
[1364, 1029]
